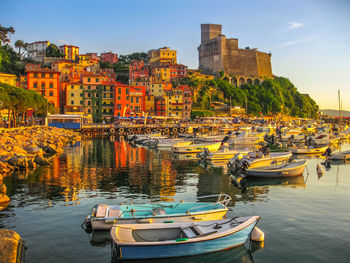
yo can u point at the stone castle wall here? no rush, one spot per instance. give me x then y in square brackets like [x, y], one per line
[221, 54]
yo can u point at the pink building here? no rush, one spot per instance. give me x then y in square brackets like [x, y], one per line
[109, 57]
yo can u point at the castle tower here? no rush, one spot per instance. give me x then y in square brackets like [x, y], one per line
[217, 53]
[210, 31]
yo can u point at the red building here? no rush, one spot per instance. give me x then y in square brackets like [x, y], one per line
[138, 70]
[187, 101]
[159, 106]
[177, 71]
[109, 57]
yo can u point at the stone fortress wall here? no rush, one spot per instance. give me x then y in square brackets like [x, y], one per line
[218, 53]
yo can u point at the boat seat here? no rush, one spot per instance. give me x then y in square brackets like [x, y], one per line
[158, 211]
[114, 211]
[101, 210]
[191, 232]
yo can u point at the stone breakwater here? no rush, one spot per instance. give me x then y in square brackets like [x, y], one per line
[26, 147]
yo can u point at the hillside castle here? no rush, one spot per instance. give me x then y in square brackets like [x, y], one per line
[242, 66]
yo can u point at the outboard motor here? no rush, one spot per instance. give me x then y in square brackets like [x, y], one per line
[328, 152]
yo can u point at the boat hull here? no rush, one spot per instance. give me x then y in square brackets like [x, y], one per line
[205, 216]
[288, 172]
[181, 249]
[197, 148]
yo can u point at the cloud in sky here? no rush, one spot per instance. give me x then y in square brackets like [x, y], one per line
[295, 42]
[294, 25]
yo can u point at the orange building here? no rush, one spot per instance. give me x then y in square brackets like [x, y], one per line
[45, 82]
[122, 98]
[137, 100]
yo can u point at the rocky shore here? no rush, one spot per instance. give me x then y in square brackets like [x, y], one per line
[26, 147]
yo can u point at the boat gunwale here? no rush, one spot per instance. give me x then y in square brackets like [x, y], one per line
[231, 231]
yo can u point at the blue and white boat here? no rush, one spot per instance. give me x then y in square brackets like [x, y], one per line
[103, 216]
[168, 240]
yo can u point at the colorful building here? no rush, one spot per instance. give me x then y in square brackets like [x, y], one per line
[138, 71]
[74, 98]
[45, 82]
[149, 105]
[137, 101]
[108, 99]
[161, 73]
[160, 56]
[177, 71]
[37, 50]
[109, 57]
[8, 78]
[70, 52]
[85, 60]
[122, 97]
[92, 96]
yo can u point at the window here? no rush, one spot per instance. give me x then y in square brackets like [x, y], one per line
[89, 110]
[35, 85]
[89, 95]
[127, 91]
[72, 94]
[35, 75]
[72, 102]
[131, 107]
[118, 97]
[127, 97]
[89, 102]
[119, 106]
[81, 94]
[119, 91]
[96, 79]
[89, 80]
[104, 95]
[43, 75]
[137, 99]
[51, 93]
[81, 102]
[132, 99]
[43, 84]
[81, 87]
[72, 86]
[104, 111]
[51, 76]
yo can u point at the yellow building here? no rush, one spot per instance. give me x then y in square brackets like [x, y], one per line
[86, 60]
[174, 103]
[161, 74]
[69, 51]
[149, 105]
[108, 90]
[8, 79]
[162, 55]
[74, 98]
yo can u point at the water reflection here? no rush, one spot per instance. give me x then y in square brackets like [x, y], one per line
[237, 254]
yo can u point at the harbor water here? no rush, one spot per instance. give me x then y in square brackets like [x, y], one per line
[305, 219]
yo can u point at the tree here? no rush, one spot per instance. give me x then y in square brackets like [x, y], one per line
[20, 44]
[53, 51]
[5, 34]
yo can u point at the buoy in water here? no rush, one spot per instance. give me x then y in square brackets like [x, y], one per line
[319, 170]
[257, 235]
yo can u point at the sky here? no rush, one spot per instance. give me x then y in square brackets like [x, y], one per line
[309, 39]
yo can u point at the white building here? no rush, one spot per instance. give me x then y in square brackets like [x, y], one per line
[37, 50]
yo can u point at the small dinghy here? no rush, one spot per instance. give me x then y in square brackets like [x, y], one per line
[281, 170]
[104, 216]
[309, 150]
[344, 155]
[196, 148]
[161, 240]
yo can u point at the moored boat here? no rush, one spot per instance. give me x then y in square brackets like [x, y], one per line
[103, 216]
[196, 148]
[161, 240]
[282, 170]
[309, 150]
